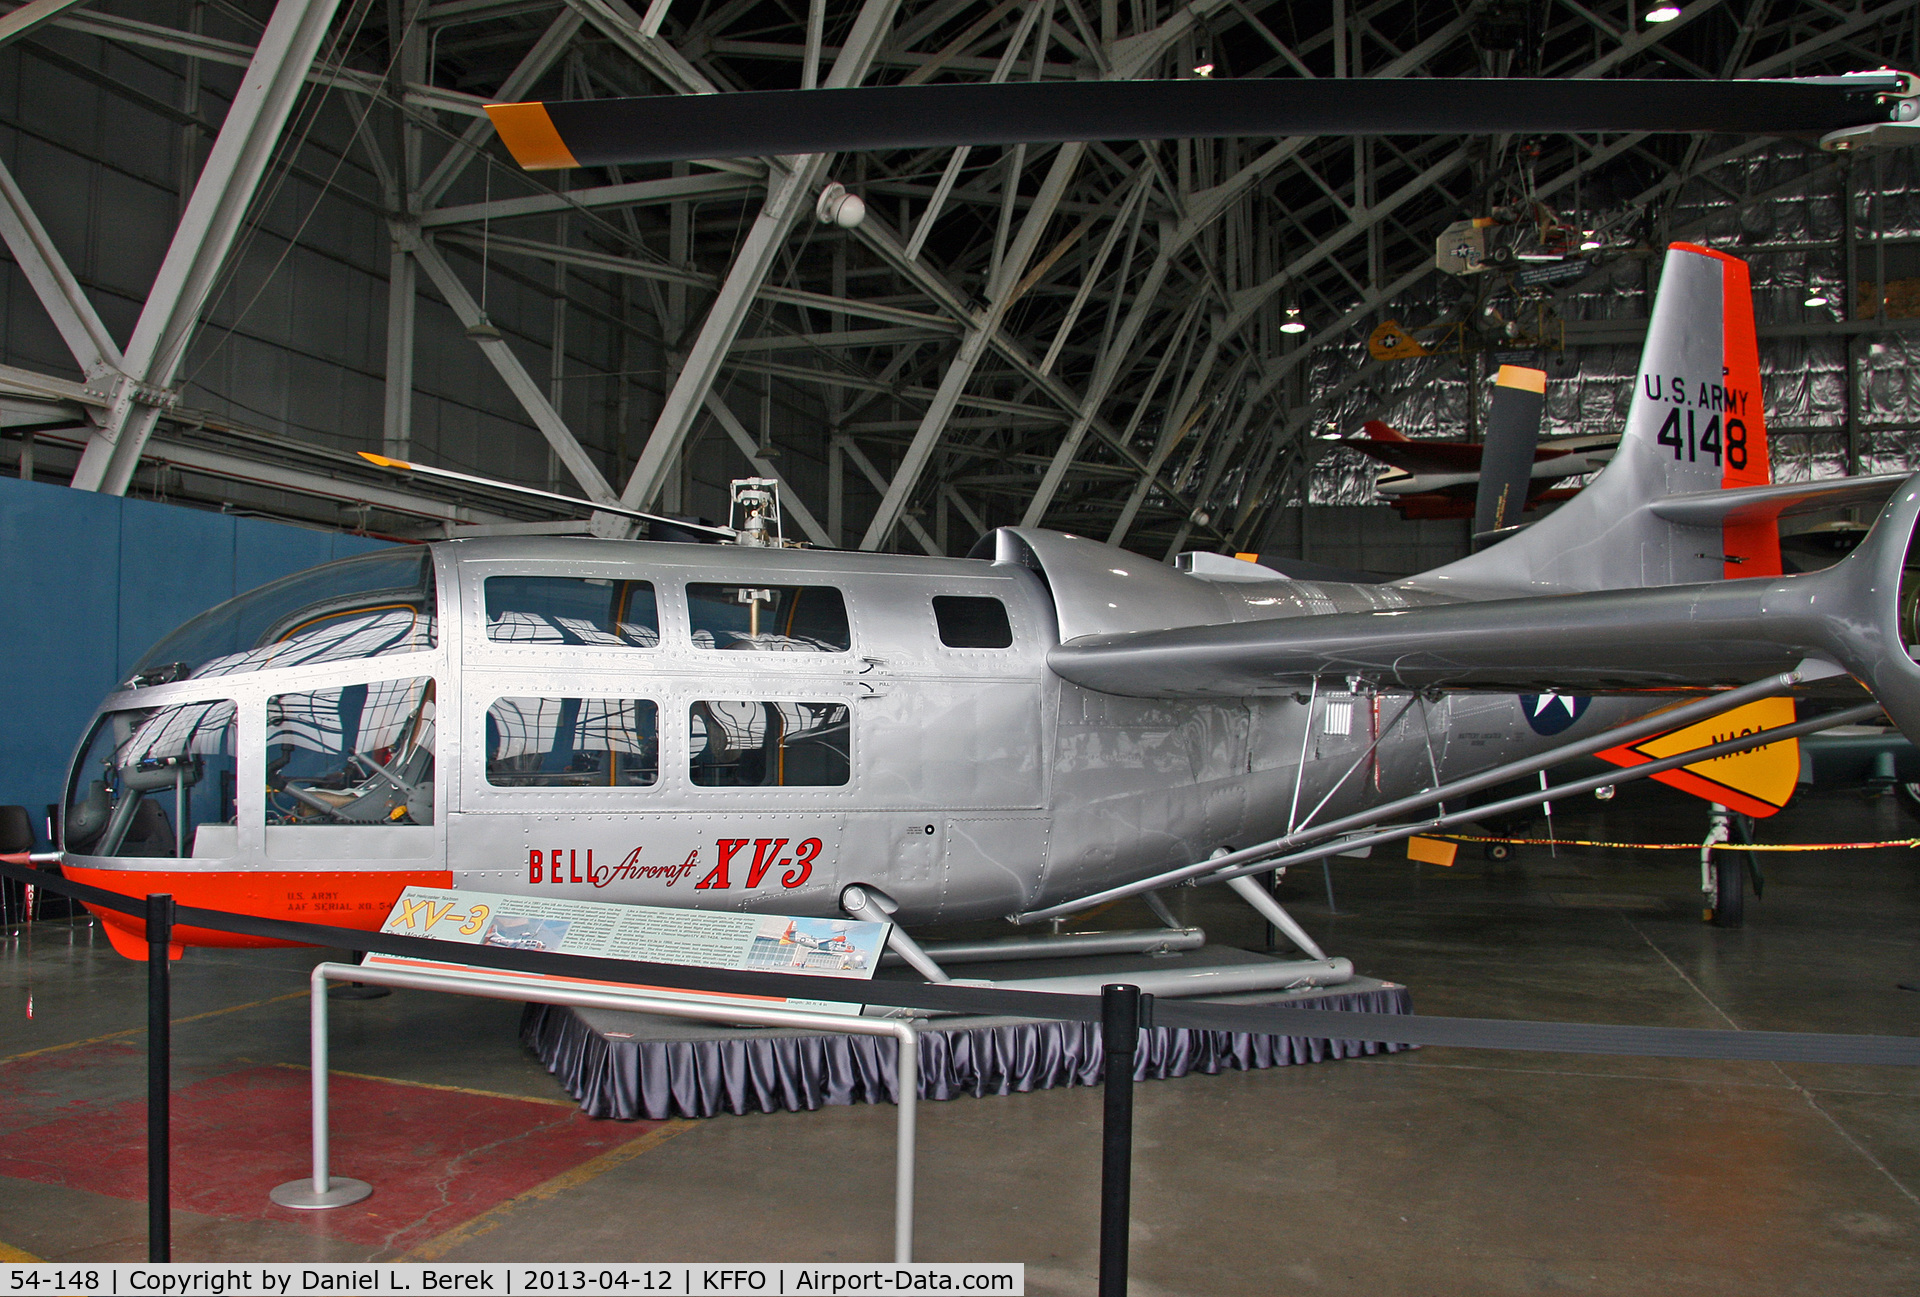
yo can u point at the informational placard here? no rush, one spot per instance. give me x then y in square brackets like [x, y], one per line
[761, 943]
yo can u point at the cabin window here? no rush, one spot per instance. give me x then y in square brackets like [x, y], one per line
[157, 781]
[742, 743]
[769, 618]
[967, 621]
[354, 755]
[573, 743]
[371, 606]
[595, 612]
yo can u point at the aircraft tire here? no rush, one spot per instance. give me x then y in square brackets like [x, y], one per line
[1730, 890]
[1498, 852]
[1908, 795]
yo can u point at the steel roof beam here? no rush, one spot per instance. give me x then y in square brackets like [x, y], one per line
[789, 198]
[221, 196]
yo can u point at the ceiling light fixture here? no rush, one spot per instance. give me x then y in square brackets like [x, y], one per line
[1815, 299]
[1292, 324]
[1588, 245]
[1663, 13]
[1203, 70]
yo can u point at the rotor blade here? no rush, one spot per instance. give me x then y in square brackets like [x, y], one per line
[1513, 431]
[573, 502]
[663, 128]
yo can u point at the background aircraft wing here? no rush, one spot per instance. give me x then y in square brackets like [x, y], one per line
[1419, 456]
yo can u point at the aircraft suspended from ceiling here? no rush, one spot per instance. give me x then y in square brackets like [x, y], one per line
[1491, 481]
[1041, 729]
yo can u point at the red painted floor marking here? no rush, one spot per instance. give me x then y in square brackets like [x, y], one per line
[434, 1157]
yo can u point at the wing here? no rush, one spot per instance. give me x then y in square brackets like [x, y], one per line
[1692, 637]
[1419, 456]
[1608, 641]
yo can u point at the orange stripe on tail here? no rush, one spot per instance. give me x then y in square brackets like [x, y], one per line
[1752, 546]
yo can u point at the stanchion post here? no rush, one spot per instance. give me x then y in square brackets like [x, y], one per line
[159, 1078]
[1120, 1036]
[323, 1189]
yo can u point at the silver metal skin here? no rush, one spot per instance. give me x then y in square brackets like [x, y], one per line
[1037, 790]
[1142, 718]
[328, 1190]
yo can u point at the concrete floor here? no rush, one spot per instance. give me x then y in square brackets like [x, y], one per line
[1435, 1172]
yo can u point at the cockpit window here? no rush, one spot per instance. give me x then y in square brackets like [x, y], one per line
[157, 781]
[572, 610]
[769, 618]
[355, 755]
[370, 606]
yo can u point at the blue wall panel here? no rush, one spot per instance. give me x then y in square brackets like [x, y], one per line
[89, 582]
[174, 562]
[266, 551]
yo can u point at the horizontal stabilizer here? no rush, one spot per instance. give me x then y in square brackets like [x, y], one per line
[1771, 503]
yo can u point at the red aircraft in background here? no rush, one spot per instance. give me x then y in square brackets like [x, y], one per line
[1440, 479]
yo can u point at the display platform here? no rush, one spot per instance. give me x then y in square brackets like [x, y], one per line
[635, 1065]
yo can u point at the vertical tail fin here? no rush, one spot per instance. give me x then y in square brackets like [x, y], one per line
[1694, 425]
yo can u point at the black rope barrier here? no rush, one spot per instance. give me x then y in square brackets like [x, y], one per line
[159, 916]
[1266, 1020]
[1120, 1016]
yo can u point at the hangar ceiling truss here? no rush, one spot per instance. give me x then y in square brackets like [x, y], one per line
[1086, 336]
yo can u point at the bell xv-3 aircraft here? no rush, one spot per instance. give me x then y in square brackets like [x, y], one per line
[1026, 733]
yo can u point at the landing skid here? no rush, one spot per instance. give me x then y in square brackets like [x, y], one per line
[1135, 941]
[869, 903]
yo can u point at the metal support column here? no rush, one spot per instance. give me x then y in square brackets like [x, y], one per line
[396, 436]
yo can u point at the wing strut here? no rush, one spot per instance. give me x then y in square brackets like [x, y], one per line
[1757, 739]
[1272, 854]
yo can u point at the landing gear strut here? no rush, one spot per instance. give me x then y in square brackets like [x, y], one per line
[1723, 874]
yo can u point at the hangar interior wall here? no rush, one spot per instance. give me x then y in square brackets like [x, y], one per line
[1366, 537]
[90, 581]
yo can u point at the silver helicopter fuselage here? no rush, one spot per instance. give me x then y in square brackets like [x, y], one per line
[964, 782]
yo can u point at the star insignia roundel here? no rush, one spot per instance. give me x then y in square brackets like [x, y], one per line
[1551, 713]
